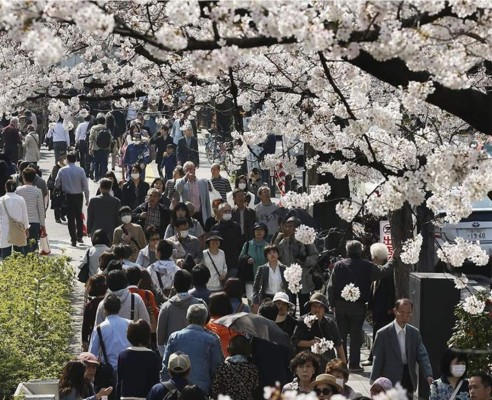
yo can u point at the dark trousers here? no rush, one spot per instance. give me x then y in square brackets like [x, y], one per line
[303, 299]
[100, 163]
[198, 216]
[350, 318]
[7, 251]
[60, 148]
[83, 156]
[33, 240]
[74, 216]
[406, 381]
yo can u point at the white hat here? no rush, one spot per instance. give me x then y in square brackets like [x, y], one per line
[283, 297]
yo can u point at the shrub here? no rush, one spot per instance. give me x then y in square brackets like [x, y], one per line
[35, 319]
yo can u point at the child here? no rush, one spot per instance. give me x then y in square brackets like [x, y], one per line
[169, 161]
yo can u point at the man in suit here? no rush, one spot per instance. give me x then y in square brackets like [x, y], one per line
[188, 148]
[243, 215]
[102, 212]
[398, 347]
[196, 191]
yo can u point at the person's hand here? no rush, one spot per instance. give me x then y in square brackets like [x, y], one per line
[430, 379]
[104, 392]
[251, 261]
[27, 233]
[180, 262]
[87, 203]
[143, 215]
[315, 340]
[91, 152]
[222, 276]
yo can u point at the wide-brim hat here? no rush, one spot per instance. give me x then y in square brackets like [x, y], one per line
[327, 379]
[88, 358]
[214, 236]
[283, 297]
[318, 298]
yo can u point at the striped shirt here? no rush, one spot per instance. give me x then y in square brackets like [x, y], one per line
[222, 185]
[34, 203]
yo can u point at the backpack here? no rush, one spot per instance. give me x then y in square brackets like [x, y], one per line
[172, 391]
[104, 139]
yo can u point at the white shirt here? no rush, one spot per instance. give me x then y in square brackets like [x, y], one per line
[59, 134]
[274, 281]
[401, 335]
[220, 262]
[81, 131]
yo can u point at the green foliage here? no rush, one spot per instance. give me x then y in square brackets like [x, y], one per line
[473, 334]
[35, 323]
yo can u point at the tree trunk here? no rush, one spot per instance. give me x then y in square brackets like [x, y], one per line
[427, 259]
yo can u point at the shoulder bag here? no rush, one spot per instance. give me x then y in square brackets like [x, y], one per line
[104, 374]
[17, 230]
[222, 281]
[83, 275]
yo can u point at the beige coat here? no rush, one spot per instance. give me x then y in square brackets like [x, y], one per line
[31, 147]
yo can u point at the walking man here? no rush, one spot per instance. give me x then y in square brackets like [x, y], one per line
[100, 141]
[222, 185]
[72, 181]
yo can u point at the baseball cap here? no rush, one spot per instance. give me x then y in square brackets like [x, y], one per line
[178, 362]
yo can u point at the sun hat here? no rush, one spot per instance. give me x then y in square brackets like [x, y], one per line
[214, 236]
[327, 379]
[318, 298]
[178, 362]
[88, 358]
[385, 383]
[283, 297]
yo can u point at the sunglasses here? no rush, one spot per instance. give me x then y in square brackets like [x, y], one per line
[325, 391]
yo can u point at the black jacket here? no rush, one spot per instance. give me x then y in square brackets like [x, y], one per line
[164, 221]
[249, 221]
[185, 153]
[232, 244]
[160, 146]
[128, 197]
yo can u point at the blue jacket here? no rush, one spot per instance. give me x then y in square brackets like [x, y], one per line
[203, 348]
[135, 152]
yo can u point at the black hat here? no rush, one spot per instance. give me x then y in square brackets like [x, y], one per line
[213, 236]
[189, 262]
[260, 225]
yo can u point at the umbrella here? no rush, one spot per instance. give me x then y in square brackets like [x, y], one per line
[255, 325]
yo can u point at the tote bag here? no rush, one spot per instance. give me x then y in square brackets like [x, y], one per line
[44, 244]
[17, 231]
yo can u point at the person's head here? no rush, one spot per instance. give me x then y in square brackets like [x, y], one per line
[264, 194]
[28, 175]
[189, 168]
[105, 185]
[339, 370]
[214, 240]
[91, 364]
[238, 197]
[104, 260]
[164, 130]
[380, 385]
[72, 377]
[178, 172]
[241, 183]
[113, 265]
[271, 253]
[169, 149]
[71, 157]
[179, 364]
[379, 253]
[215, 170]
[145, 281]
[403, 311]
[304, 365]
[182, 281]
[14, 121]
[125, 214]
[325, 386]
[188, 263]
[62, 160]
[152, 235]
[181, 227]
[255, 174]
[269, 310]
[200, 275]
[10, 186]
[190, 206]
[193, 392]
[290, 226]
[158, 184]
[317, 305]
[215, 206]
[453, 364]
[116, 280]
[133, 275]
[180, 211]
[138, 333]
[239, 345]
[111, 304]
[96, 286]
[153, 197]
[219, 305]
[197, 314]
[353, 248]
[137, 136]
[187, 130]
[260, 231]
[164, 250]
[88, 118]
[135, 172]
[119, 251]
[480, 386]
[100, 237]
[225, 211]
[233, 288]
[282, 302]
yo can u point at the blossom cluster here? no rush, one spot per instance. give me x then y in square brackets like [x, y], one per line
[474, 306]
[411, 250]
[293, 275]
[322, 346]
[456, 253]
[309, 320]
[460, 282]
[350, 293]
[305, 234]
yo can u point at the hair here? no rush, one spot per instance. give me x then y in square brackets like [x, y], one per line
[448, 356]
[124, 210]
[180, 170]
[239, 179]
[188, 164]
[137, 166]
[14, 120]
[105, 184]
[484, 377]
[353, 248]
[10, 186]
[128, 250]
[219, 304]
[157, 180]
[105, 258]
[29, 174]
[217, 202]
[269, 310]
[165, 249]
[182, 281]
[109, 121]
[233, 288]
[200, 275]
[197, 314]
[133, 274]
[72, 377]
[145, 280]
[111, 174]
[190, 207]
[153, 190]
[114, 265]
[337, 365]
[119, 251]
[138, 333]
[270, 247]
[180, 206]
[116, 280]
[192, 392]
[71, 157]
[400, 302]
[263, 188]
[96, 286]
[379, 251]
[302, 358]
[112, 304]
[236, 191]
[239, 344]
[224, 205]
[150, 231]
[180, 222]
[88, 118]
[100, 237]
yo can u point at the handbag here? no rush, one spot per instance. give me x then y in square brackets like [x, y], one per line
[84, 272]
[104, 374]
[222, 281]
[58, 200]
[17, 230]
[44, 244]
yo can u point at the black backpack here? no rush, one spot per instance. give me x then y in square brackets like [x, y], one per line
[104, 139]
[172, 391]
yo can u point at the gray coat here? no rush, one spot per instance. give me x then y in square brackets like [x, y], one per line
[387, 357]
[102, 213]
[182, 186]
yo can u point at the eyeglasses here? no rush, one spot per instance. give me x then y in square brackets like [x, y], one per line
[325, 391]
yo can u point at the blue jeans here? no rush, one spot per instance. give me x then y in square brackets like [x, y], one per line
[7, 251]
[33, 236]
[100, 163]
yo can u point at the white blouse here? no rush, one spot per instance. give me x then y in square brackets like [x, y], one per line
[220, 262]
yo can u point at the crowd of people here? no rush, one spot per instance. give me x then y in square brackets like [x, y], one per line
[171, 259]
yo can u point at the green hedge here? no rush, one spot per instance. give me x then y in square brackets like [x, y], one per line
[35, 319]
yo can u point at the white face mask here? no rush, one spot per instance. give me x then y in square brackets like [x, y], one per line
[135, 175]
[458, 370]
[183, 234]
[226, 217]
[340, 382]
[242, 186]
[126, 219]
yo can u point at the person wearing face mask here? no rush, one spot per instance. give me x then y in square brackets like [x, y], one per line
[339, 370]
[129, 233]
[137, 153]
[452, 385]
[184, 243]
[232, 244]
[134, 191]
[241, 182]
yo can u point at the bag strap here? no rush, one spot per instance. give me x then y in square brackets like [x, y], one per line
[132, 310]
[159, 279]
[240, 307]
[211, 259]
[103, 347]
[125, 231]
[169, 386]
[6, 211]
[37, 143]
[456, 389]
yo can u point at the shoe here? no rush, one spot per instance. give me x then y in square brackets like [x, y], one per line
[366, 363]
[63, 219]
[58, 221]
[74, 244]
[80, 240]
[356, 368]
